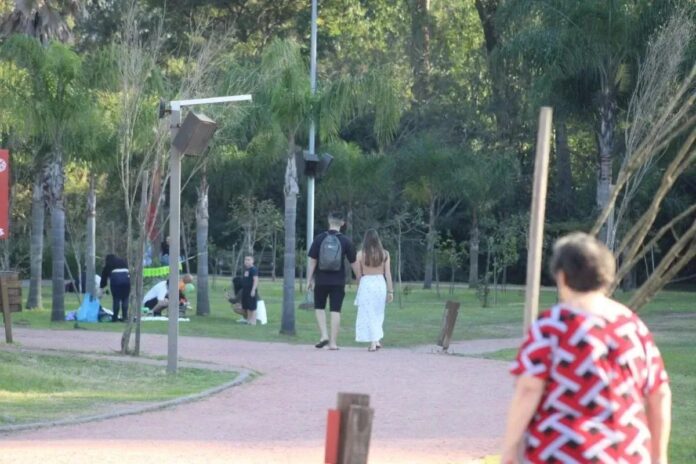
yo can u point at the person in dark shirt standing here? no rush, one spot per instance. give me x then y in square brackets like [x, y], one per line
[116, 271]
[164, 252]
[327, 257]
[250, 285]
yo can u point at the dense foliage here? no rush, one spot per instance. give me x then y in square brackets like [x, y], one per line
[428, 108]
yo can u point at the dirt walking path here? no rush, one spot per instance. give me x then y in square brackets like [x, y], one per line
[429, 408]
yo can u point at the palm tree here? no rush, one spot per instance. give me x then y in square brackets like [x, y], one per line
[45, 20]
[481, 195]
[432, 179]
[597, 40]
[53, 79]
[286, 105]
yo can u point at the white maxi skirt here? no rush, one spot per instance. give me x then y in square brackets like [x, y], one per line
[371, 301]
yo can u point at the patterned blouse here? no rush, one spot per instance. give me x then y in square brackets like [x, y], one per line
[597, 374]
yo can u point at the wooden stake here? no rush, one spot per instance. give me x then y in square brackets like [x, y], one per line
[6, 311]
[345, 401]
[357, 435]
[449, 319]
[536, 226]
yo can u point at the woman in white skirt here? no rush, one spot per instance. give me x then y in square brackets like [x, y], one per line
[375, 290]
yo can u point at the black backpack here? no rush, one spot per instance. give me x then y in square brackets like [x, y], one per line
[330, 253]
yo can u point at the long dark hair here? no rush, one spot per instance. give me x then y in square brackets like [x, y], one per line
[372, 249]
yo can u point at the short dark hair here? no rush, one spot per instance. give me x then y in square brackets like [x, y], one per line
[336, 216]
[587, 263]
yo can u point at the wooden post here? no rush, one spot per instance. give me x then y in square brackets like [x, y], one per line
[449, 319]
[536, 225]
[357, 435]
[345, 401]
[6, 312]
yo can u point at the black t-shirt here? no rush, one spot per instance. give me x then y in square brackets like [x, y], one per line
[248, 279]
[348, 251]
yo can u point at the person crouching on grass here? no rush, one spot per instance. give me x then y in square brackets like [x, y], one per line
[250, 285]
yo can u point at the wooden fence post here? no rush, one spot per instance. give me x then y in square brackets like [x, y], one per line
[344, 403]
[449, 319]
[357, 434]
[536, 226]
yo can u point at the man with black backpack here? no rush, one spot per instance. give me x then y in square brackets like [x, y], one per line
[327, 257]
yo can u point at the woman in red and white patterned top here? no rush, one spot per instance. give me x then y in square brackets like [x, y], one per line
[591, 385]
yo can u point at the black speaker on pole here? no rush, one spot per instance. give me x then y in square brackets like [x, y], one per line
[311, 163]
[324, 164]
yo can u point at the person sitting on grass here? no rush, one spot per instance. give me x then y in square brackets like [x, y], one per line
[157, 298]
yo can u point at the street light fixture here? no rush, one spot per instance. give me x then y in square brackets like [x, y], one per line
[190, 138]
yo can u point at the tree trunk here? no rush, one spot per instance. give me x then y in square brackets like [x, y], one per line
[203, 295]
[184, 247]
[605, 142]
[399, 265]
[503, 104]
[437, 276]
[91, 247]
[420, 49]
[474, 238]
[289, 260]
[56, 183]
[430, 247]
[275, 254]
[37, 242]
[564, 174]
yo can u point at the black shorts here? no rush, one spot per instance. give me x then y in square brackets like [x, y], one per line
[151, 303]
[335, 294]
[248, 301]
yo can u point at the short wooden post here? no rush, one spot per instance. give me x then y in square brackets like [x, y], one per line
[449, 319]
[6, 312]
[536, 226]
[357, 434]
[345, 401]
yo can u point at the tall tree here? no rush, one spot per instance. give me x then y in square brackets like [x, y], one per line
[560, 40]
[286, 104]
[56, 85]
[45, 20]
[431, 179]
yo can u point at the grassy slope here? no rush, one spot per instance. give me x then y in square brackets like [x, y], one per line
[39, 387]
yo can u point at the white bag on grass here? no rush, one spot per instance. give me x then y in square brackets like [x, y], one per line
[261, 316]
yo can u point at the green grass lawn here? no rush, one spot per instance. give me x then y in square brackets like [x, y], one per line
[671, 316]
[36, 387]
[418, 322]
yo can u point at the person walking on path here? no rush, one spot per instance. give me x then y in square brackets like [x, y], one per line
[591, 384]
[327, 257]
[116, 271]
[250, 285]
[375, 290]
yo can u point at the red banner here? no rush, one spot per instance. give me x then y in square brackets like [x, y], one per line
[4, 194]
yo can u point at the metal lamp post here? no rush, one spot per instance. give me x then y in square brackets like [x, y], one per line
[193, 139]
[312, 127]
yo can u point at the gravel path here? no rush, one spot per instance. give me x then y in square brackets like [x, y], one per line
[429, 408]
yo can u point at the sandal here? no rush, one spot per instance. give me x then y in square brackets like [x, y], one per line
[321, 344]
